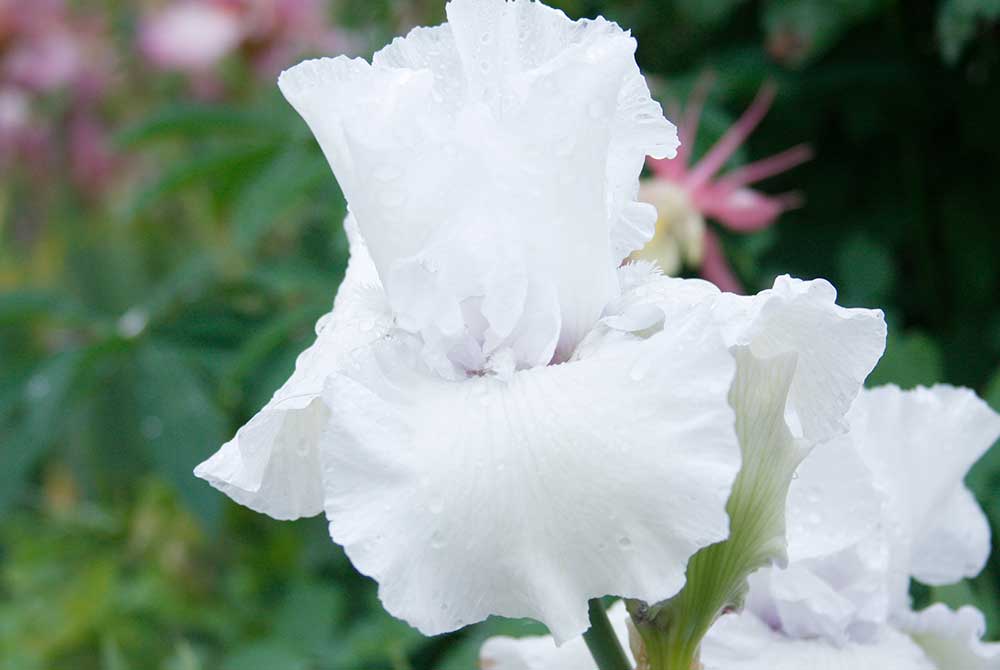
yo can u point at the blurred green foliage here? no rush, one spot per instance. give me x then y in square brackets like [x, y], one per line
[139, 327]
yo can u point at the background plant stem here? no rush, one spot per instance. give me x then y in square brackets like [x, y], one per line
[602, 641]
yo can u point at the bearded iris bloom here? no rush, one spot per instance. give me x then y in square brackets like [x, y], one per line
[869, 511]
[497, 418]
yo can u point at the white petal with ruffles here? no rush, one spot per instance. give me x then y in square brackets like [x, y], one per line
[272, 465]
[954, 638]
[470, 151]
[920, 444]
[744, 642]
[836, 346]
[527, 497]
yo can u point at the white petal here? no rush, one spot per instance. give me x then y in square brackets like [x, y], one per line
[834, 586]
[920, 444]
[837, 347]
[526, 497]
[955, 543]
[744, 642]
[953, 639]
[833, 502]
[539, 652]
[470, 151]
[272, 465]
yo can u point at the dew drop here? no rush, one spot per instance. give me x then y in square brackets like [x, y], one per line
[38, 387]
[323, 322]
[437, 542]
[638, 371]
[625, 542]
[151, 427]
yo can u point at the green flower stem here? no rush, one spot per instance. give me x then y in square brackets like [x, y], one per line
[602, 641]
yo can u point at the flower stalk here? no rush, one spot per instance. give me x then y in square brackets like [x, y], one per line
[602, 641]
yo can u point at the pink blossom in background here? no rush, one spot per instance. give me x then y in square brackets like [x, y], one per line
[45, 50]
[194, 36]
[687, 192]
[191, 36]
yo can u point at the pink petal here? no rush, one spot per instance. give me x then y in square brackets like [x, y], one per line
[717, 156]
[767, 167]
[714, 266]
[742, 209]
[675, 169]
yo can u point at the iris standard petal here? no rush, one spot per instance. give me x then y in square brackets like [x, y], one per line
[272, 464]
[526, 497]
[469, 151]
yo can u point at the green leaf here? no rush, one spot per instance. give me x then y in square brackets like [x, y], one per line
[181, 423]
[194, 120]
[307, 618]
[910, 359]
[204, 166]
[17, 307]
[867, 271]
[958, 22]
[266, 340]
[31, 423]
[266, 655]
[276, 189]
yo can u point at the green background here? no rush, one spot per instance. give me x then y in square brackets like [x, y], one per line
[141, 326]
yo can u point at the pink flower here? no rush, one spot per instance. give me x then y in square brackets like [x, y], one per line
[191, 36]
[45, 50]
[685, 194]
[194, 36]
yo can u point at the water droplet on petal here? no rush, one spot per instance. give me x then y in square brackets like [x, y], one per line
[638, 371]
[625, 542]
[437, 541]
[323, 322]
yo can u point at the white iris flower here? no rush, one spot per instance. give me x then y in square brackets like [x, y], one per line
[867, 512]
[496, 418]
